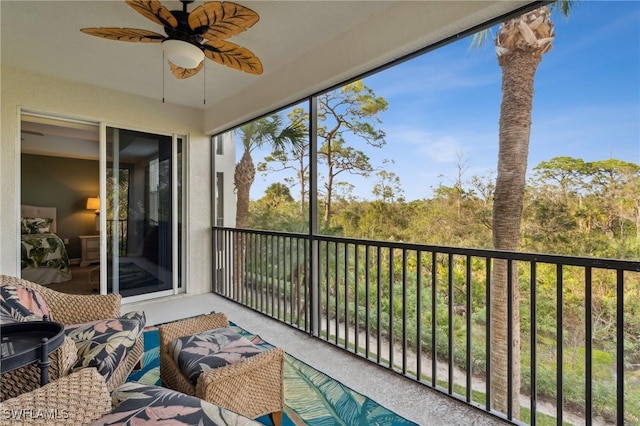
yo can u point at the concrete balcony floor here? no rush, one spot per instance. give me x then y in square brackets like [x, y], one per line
[403, 396]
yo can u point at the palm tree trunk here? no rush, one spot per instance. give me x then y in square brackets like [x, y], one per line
[518, 71]
[244, 176]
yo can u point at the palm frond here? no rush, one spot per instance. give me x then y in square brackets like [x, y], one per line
[295, 134]
[480, 38]
[565, 6]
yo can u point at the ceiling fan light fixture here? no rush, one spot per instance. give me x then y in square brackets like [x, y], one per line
[182, 53]
[188, 34]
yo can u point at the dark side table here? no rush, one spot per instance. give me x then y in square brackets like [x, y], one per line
[24, 343]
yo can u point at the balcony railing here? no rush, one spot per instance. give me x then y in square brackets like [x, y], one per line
[121, 226]
[424, 312]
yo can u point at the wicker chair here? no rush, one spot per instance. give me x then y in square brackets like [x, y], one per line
[27, 378]
[68, 309]
[252, 387]
[77, 399]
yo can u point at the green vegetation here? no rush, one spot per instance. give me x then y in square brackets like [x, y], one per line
[568, 206]
[571, 207]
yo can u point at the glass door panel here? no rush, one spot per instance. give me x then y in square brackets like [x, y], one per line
[139, 212]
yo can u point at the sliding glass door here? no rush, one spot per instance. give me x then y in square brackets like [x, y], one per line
[142, 212]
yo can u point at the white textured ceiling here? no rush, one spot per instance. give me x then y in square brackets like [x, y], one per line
[312, 39]
[44, 36]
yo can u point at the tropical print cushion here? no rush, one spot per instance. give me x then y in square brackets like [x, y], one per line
[138, 404]
[105, 344]
[210, 349]
[18, 303]
[35, 225]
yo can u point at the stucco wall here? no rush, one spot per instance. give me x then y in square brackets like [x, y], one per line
[36, 92]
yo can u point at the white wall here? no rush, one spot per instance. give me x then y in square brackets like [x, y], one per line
[225, 163]
[63, 98]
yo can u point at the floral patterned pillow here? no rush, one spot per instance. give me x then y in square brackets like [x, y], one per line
[210, 349]
[35, 225]
[105, 344]
[18, 303]
[147, 404]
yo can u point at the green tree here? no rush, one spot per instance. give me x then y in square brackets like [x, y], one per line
[583, 208]
[388, 187]
[353, 110]
[520, 44]
[293, 157]
[269, 130]
[563, 179]
[614, 185]
[253, 135]
[567, 172]
[276, 194]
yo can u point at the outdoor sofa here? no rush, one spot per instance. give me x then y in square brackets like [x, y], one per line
[96, 334]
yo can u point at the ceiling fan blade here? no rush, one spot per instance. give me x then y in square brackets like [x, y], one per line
[221, 20]
[183, 73]
[232, 55]
[125, 34]
[155, 11]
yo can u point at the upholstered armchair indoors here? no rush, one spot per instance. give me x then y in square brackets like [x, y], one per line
[96, 335]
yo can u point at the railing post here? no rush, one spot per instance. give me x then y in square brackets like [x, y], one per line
[588, 345]
[559, 344]
[620, 395]
[314, 259]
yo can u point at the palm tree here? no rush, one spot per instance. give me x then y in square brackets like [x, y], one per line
[253, 135]
[245, 171]
[520, 44]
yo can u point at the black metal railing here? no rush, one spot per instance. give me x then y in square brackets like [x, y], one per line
[425, 312]
[121, 226]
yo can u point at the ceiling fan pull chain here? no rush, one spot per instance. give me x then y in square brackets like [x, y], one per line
[204, 83]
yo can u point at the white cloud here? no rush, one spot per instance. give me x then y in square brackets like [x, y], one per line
[443, 149]
[433, 147]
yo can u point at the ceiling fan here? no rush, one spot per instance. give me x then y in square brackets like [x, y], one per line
[192, 36]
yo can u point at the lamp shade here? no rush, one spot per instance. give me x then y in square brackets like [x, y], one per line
[93, 204]
[182, 53]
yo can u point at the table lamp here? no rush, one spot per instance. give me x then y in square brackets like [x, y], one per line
[94, 204]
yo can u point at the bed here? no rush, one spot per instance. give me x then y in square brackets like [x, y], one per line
[44, 258]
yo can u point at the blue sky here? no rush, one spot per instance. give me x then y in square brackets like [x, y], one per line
[444, 105]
